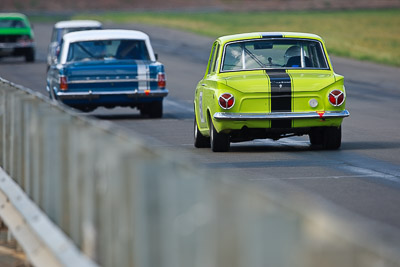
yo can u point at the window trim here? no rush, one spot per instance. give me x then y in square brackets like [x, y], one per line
[213, 56]
[70, 44]
[215, 61]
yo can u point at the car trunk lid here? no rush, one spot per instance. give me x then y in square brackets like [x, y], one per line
[298, 81]
[113, 75]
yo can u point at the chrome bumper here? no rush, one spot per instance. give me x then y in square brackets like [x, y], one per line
[16, 45]
[133, 94]
[280, 115]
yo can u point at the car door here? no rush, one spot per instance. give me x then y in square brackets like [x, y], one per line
[206, 88]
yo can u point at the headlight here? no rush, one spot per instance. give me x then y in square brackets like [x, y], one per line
[24, 39]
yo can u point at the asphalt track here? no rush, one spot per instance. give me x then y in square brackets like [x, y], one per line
[363, 177]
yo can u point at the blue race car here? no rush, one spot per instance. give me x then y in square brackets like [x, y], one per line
[108, 68]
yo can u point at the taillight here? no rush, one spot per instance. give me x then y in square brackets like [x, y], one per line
[226, 101]
[24, 39]
[336, 98]
[63, 83]
[161, 80]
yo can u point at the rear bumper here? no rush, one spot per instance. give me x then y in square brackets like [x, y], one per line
[89, 95]
[16, 45]
[15, 49]
[280, 115]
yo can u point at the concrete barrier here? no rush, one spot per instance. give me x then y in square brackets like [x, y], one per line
[122, 204]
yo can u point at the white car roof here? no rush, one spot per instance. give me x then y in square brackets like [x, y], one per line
[93, 35]
[77, 24]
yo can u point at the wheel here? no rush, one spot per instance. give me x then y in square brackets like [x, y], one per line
[153, 109]
[30, 55]
[50, 95]
[219, 141]
[316, 136]
[332, 137]
[156, 110]
[200, 140]
[144, 110]
[85, 109]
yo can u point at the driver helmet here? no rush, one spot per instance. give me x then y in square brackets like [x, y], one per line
[292, 51]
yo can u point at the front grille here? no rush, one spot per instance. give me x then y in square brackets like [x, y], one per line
[9, 38]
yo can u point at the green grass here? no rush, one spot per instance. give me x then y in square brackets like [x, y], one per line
[372, 35]
[38, 18]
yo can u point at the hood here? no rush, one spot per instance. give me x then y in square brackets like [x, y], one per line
[306, 81]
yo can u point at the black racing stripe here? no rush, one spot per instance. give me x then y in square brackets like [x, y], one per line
[281, 96]
[266, 35]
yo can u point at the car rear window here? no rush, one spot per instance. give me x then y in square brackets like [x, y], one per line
[12, 23]
[58, 33]
[108, 50]
[275, 54]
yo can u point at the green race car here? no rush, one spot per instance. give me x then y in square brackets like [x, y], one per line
[269, 85]
[16, 36]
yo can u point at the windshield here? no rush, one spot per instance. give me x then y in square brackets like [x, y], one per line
[262, 54]
[108, 50]
[12, 23]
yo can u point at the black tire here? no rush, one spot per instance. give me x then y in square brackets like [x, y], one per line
[144, 110]
[332, 138]
[200, 141]
[153, 109]
[316, 136]
[30, 55]
[219, 141]
[50, 95]
[85, 109]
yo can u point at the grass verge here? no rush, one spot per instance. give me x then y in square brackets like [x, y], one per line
[372, 35]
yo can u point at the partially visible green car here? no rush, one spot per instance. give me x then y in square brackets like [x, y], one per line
[16, 36]
[269, 85]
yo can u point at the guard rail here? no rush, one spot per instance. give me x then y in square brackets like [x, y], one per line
[84, 194]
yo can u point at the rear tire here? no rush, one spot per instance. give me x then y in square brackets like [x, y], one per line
[84, 109]
[316, 136]
[50, 95]
[219, 141]
[156, 109]
[30, 55]
[153, 109]
[200, 141]
[332, 138]
[328, 137]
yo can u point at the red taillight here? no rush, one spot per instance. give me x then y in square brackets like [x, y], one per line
[336, 98]
[226, 101]
[24, 39]
[161, 80]
[63, 83]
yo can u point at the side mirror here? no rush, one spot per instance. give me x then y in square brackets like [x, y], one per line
[156, 55]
